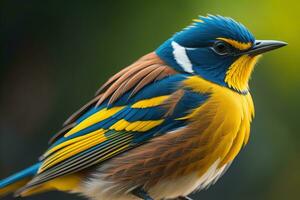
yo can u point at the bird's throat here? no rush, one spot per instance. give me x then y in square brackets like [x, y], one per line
[239, 73]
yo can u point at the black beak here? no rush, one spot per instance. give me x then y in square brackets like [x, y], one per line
[262, 46]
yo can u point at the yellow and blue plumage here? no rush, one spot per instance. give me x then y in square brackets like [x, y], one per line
[165, 126]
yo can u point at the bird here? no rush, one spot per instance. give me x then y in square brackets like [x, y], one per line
[167, 125]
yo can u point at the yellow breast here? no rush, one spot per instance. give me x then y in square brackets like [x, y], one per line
[222, 123]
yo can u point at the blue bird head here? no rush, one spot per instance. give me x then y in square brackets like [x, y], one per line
[218, 49]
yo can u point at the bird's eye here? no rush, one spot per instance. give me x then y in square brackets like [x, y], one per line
[221, 48]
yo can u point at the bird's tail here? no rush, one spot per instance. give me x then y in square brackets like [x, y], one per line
[18, 180]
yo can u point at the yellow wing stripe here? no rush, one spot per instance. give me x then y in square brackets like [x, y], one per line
[71, 141]
[237, 44]
[68, 150]
[117, 143]
[97, 117]
[150, 102]
[141, 126]
[95, 138]
[120, 125]
[75, 146]
[79, 144]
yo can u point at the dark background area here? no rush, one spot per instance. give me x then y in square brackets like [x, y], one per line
[55, 54]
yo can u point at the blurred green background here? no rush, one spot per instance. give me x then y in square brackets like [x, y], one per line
[55, 54]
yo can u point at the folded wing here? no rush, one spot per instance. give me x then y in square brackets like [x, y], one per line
[142, 101]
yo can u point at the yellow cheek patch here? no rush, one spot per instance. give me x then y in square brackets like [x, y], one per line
[95, 118]
[140, 126]
[237, 44]
[238, 74]
[150, 102]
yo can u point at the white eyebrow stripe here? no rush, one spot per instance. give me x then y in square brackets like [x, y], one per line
[181, 58]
